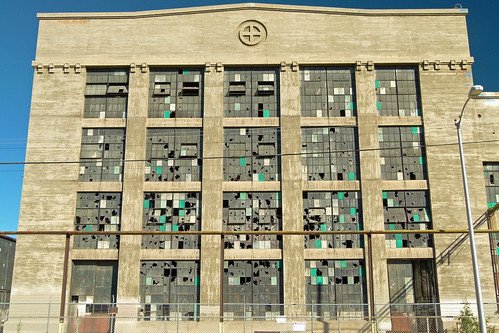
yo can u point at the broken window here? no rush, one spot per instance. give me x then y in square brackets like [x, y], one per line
[402, 153]
[327, 92]
[171, 212]
[102, 153]
[252, 154]
[173, 154]
[251, 92]
[397, 92]
[253, 211]
[258, 283]
[93, 286]
[412, 289]
[330, 153]
[176, 93]
[106, 93]
[491, 174]
[336, 288]
[332, 211]
[407, 210]
[169, 290]
[97, 211]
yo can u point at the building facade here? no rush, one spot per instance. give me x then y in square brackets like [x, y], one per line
[253, 118]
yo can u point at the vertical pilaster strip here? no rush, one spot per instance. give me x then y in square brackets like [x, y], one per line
[131, 218]
[291, 187]
[211, 193]
[370, 183]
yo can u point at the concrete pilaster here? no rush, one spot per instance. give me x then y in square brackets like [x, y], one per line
[132, 213]
[211, 191]
[291, 186]
[370, 183]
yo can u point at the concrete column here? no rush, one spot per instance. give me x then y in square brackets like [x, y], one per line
[370, 183]
[211, 192]
[291, 187]
[444, 93]
[132, 213]
[49, 198]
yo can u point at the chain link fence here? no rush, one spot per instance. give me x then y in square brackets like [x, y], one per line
[244, 318]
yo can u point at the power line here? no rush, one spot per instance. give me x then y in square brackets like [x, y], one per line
[83, 161]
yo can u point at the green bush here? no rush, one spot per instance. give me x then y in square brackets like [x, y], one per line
[468, 323]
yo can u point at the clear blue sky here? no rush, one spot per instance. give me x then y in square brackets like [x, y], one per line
[18, 29]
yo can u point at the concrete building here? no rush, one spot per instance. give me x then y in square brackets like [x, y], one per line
[253, 117]
[7, 253]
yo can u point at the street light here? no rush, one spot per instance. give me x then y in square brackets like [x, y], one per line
[476, 92]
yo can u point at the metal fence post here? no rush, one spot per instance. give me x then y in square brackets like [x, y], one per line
[244, 313]
[178, 313]
[48, 315]
[311, 315]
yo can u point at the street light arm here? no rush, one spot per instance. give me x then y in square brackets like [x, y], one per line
[458, 120]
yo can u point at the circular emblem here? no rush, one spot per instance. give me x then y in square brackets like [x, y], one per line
[252, 33]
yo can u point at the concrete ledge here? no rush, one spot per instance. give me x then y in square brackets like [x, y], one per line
[250, 186]
[334, 253]
[400, 121]
[254, 6]
[172, 186]
[99, 187]
[272, 254]
[328, 122]
[169, 254]
[406, 253]
[93, 254]
[103, 122]
[333, 185]
[251, 122]
[395, 185]
[174, 122]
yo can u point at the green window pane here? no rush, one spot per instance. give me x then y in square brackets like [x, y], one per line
[242, 161]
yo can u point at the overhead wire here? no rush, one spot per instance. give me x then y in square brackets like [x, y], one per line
[89, 160]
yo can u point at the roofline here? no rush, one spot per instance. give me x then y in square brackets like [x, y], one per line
[8, 238]
[253, 6]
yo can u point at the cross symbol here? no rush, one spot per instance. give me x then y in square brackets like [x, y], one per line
[252, 34]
